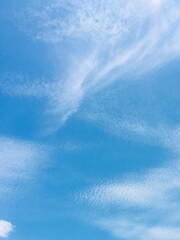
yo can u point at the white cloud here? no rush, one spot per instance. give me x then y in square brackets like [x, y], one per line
[19, 163]
[129, 229]
[121, 38]
[146, 203]
[133, 128]
[18, 158]
[151, 189]
[5, 228]
[65, 99]
[19, 85]
[157, 3]
[153, 186]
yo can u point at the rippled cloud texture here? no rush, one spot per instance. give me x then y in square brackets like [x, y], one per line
[146, 204]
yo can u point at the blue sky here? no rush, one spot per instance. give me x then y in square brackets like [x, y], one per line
[90, 120]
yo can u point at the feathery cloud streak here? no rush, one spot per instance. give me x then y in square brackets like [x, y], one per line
[122, 39]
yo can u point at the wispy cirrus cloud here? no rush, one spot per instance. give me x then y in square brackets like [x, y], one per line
[132, 229]
[5, 228]
[124, 34]
[19, 161]
[121, 39]
[14, 84]
[134, 129]
[142, 205]
[18, 157]
[138, 207]
[154, 188]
